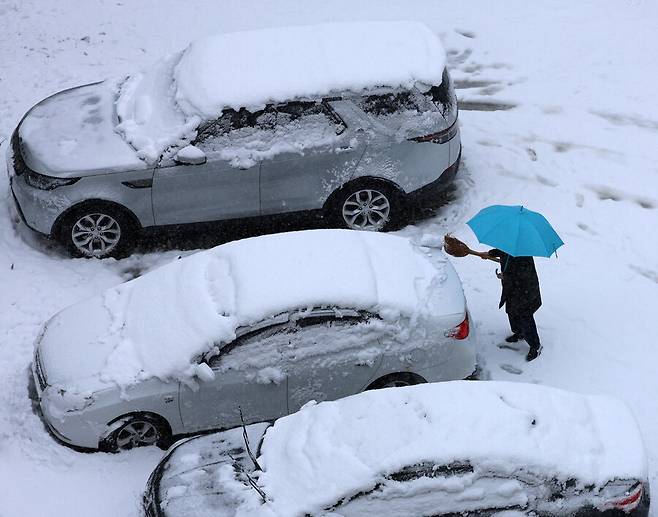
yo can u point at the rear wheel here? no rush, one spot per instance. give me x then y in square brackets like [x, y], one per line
[98, 231]
[397, 380]
[372, 206]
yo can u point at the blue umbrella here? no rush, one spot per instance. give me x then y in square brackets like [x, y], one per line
[515, 230]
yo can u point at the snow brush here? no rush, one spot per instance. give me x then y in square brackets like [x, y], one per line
[457, 248]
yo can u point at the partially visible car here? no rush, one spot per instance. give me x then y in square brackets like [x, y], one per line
[444, 449]
[250, 330]
[352, 122]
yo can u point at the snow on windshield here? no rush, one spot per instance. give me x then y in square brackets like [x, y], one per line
[149, 118]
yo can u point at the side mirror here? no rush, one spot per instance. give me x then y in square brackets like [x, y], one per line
[190, 155]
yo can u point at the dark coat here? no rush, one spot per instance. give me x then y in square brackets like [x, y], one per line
[520, 283]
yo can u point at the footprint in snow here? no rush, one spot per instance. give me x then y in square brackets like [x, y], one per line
[510, 369]
[465, 33]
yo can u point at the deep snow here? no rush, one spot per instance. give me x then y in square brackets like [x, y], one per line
[566, 124]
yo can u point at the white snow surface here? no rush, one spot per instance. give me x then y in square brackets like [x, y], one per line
[577, 144]
[334, 450]
[159, 324]
[252, 68]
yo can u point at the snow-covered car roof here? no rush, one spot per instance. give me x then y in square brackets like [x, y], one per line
[332, 451]
[159, 324]
[321, 454]
[253, 68]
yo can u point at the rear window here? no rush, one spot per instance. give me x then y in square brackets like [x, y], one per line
[396, 102]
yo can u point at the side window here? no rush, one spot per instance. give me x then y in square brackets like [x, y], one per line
[234, 123]
[320, 335]
[389, 103]
[244, 138]
[256, 349]
[309, 123]
[402, 114]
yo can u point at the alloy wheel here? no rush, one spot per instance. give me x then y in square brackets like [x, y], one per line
[137, 433]
[366, 209]
[95, 235]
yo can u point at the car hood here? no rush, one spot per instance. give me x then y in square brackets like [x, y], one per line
[218, 462]
[71, 134]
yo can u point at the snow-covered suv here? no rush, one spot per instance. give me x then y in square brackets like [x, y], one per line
[354, 122]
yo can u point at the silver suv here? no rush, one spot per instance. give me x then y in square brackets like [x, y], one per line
[359, 160]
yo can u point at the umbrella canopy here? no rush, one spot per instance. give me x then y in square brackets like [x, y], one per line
[515, 230]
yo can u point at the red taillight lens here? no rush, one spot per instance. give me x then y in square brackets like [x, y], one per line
[629, 501]
[461, 330]
[438, 138]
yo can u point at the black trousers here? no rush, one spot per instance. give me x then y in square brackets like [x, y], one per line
[523, 323]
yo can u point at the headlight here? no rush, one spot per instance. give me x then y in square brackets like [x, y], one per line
[43, 182]
[61, 401]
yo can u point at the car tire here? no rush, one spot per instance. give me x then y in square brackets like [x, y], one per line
[137, 431]
[396, 380]
[367, 205]
[98, 231]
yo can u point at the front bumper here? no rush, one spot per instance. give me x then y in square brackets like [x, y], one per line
[70, 430]
[39, 209]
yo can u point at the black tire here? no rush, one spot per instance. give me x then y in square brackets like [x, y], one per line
[395, 380]
[113, 223]
[367, 200]
[153, 429]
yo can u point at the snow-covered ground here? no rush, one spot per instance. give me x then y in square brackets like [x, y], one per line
[562, 119]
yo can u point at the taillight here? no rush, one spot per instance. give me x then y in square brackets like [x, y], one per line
[460, 331]
[628, 501]
[439, 138]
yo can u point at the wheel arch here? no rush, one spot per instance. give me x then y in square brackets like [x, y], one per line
[56, 229]
[363, 181]
[117, 422]
[410, 377]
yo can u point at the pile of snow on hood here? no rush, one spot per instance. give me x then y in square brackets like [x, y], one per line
[158, 325]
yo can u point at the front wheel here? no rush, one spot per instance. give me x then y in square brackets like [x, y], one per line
[98, 232]
[372, 207]
[137, 431]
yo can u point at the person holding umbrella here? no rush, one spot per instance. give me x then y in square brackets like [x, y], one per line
[518, 234]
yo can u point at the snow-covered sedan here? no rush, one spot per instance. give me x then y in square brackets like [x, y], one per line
[352, 122]
[251, 330]
[444, 449]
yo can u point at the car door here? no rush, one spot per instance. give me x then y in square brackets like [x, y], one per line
[334, 354]
[315, 154]
[248, 378]
[226, 186]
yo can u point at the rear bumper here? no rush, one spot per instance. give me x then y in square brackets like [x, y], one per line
[431, 195]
